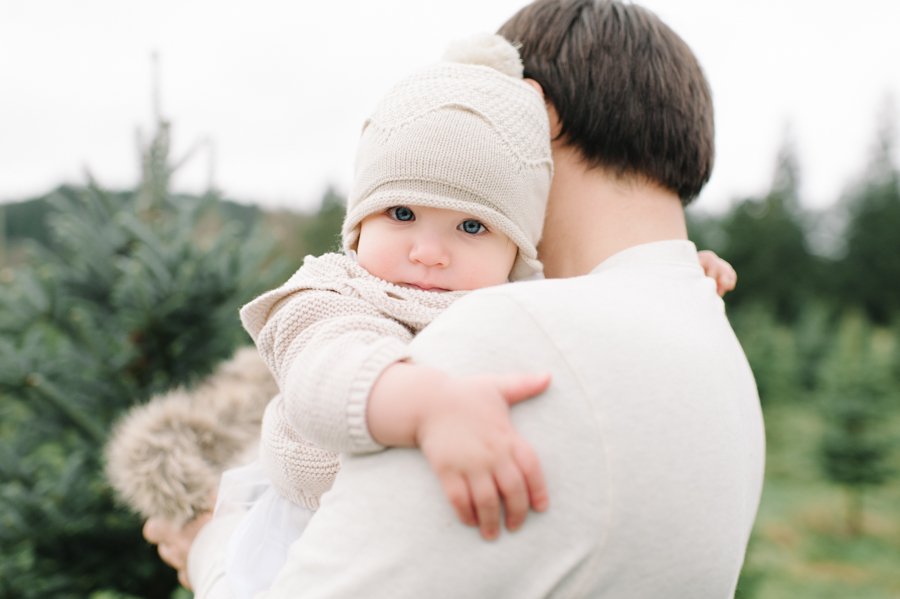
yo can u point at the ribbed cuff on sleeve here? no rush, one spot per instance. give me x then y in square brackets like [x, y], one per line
[326, 399]
[383, 354]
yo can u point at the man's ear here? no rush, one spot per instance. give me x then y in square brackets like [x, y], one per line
[555, 125]
[535, 85]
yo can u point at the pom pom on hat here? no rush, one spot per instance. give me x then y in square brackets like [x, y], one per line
[487, 50]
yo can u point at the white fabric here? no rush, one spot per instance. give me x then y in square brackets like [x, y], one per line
[650, 436]
[258, 547]
[264, 524]
[206, 559]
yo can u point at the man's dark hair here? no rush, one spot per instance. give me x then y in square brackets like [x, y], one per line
[629, 93]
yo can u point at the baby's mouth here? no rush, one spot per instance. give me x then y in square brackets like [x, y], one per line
[423, 288]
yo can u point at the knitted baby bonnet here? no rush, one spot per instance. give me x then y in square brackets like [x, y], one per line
[465, 134]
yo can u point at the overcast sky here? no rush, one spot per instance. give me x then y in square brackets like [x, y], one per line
[282, 87]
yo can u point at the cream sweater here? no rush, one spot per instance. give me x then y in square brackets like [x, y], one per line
[326, 335]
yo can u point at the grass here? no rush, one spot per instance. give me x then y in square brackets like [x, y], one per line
[801, 546]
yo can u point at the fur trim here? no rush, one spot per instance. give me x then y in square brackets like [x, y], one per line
[165, 458]
[487, 50]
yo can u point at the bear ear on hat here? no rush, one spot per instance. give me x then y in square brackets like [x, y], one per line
[487, 50]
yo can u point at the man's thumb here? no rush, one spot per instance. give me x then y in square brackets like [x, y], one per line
[518, 387]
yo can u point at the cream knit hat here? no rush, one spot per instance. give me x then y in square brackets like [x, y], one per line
[464, 134]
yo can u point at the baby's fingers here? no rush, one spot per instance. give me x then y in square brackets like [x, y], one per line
[457, 491]
[515, 495]
[726, 279]
[530, 467]
[720, 270]
[518, 387]
[487, 504]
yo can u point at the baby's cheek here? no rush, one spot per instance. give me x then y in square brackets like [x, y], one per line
[485, 279]
[384, 266]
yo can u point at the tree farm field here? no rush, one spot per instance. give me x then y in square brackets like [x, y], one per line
[801, 546]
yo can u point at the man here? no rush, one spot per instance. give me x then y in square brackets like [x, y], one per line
[650, 435]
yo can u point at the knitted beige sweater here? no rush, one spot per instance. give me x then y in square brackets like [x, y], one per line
[326, 335]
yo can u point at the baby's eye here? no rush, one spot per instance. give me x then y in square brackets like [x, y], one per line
[402, 213]
[472, 226]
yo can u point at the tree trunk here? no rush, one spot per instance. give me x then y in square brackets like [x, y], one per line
[853, 499]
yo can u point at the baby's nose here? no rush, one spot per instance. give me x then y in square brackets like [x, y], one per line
[429, 250]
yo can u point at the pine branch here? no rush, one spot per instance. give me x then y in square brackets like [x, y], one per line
[81, 420]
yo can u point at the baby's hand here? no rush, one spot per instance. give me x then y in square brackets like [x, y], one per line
[718, 269]
[469, 440]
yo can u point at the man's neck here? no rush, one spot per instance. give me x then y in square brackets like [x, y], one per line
[592, 214]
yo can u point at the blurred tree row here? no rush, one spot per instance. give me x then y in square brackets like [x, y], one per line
[823, 327]
[768, 240]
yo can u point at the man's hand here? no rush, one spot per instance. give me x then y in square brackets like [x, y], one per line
[718, 269]
[464, 430]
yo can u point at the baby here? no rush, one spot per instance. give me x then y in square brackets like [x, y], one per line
[452, 178]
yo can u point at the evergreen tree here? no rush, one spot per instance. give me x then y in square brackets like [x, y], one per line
[25, 220]
[857, 384]
[766, 244]
[771, 351]
[129, 300]
[301, 235]
[813, 337]
[321, 233]
[869, 275]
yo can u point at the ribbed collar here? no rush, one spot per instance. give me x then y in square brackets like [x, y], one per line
[674, 252]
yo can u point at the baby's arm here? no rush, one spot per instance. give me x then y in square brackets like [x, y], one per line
[326, 350]
[327, 363]
[299, 470]
[718, 269]
[463, 428]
